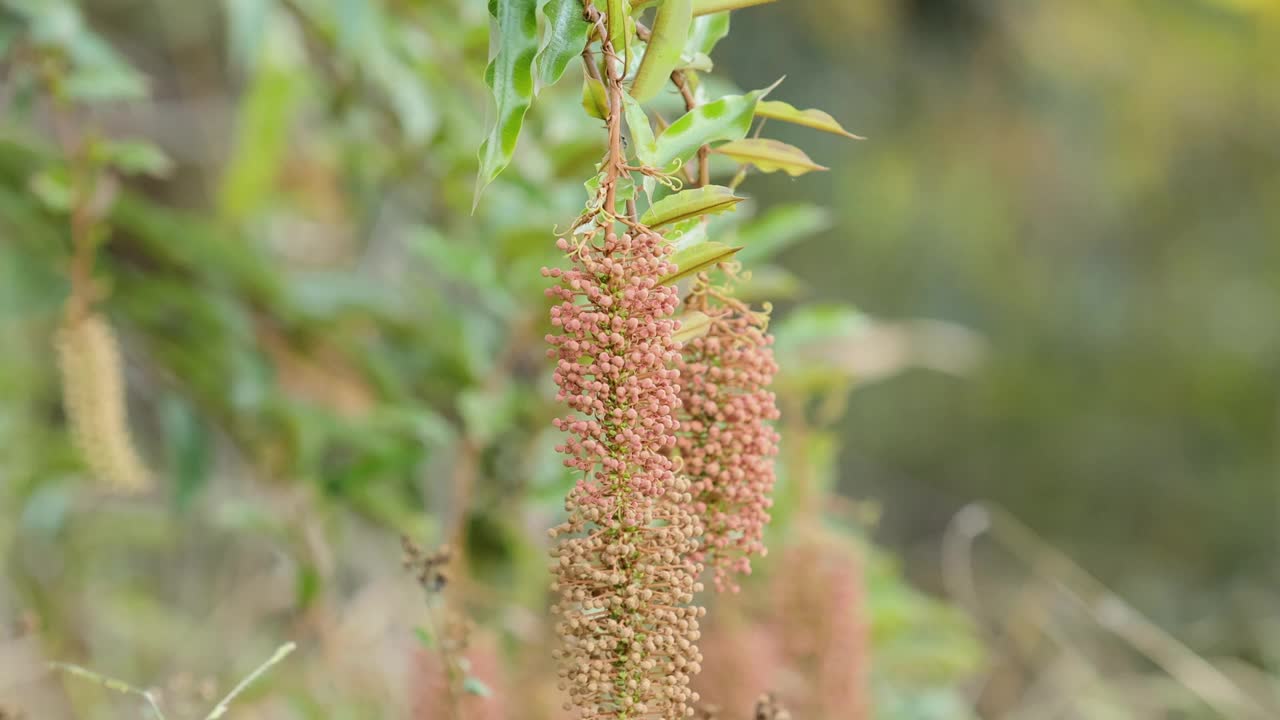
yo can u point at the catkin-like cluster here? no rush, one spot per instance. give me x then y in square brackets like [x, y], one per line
[93, 395]
[822, 628]
[726, 438]
[622, 563]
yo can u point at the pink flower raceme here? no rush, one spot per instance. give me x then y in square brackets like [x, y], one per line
[726, 440]
[821, 623]
[614, 355]
[623, 563]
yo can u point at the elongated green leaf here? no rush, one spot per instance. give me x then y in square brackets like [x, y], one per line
[770, 156]
[135, 157]
[670, 33]
[696, 258]
[594, 99]
[616, 17]
[707, 30]
[642, 140]
[510, 75]
[693, 325]
[706, 7]
[816, 119]
[728, 118]
[688, 204]
[262, 131]
[567, 33]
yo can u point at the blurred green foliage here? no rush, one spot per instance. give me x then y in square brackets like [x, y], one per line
[325, 347]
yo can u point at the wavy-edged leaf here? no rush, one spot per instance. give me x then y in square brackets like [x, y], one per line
[688, 204]
[770, 156]
[813, 118]
[696, 258]
[510, 76]
[693, 325]
[728, 118]
[671, 27]
[567, 33]
[707, 30]
[706, 7]
[642, 139]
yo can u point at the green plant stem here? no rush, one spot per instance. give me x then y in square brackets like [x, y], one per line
[280, 654]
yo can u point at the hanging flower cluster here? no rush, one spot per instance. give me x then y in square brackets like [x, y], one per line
[624, 561]
[822, 627]
[93, 395]
[726, 440]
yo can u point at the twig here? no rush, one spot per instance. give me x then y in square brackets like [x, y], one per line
[109, 683]
[1111, 612]
[681, 81]
[280, 654]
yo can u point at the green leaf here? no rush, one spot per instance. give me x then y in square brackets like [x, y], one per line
[567, 34]
[688, 204]
[510, 76]
[693, 325]
[698, 62]
[816, 119]
[706, 7]
[473, 685]
[423, 638]
[262, 136]
[187, 450]
[135, 157]
[670, 33]
[642, 140]
[594, 99]
[779, 228]
[728, 118]
[617, 14]
[706, 32]
[52, 187]
[770, 156]
[696, 258]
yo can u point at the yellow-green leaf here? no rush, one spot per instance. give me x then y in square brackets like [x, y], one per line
[770, 156]
[617, 14]
[263, 125]
[816, 119]
[728, 118]
[705, 33]
[706, 7]
[567, 33]
[642, 139]
[693, 325]
[696, 258]
[510, 76]
[688, 204]
[594, 99]
[670, 32]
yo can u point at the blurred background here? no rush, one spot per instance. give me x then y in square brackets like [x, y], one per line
[1030, 357]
